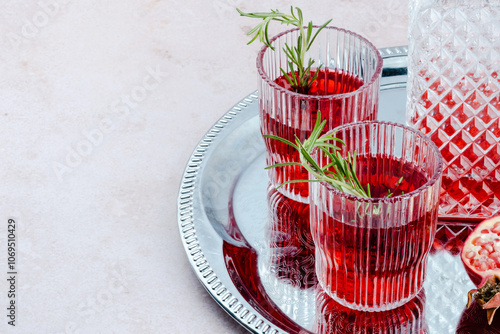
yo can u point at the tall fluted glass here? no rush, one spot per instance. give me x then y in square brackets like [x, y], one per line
[346, 91]
[454, 98]
[371, 253]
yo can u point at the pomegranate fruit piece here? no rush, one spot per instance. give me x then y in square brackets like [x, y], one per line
[474, 321]
[487, 296]
[481, 258]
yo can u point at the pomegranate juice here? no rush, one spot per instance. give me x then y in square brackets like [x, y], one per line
[368, 258]
[303, 112]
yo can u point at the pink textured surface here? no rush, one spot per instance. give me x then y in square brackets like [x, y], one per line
[101, 105]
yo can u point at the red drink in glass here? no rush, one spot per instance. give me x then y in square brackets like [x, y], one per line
[371, 253]
[345, 91]
[327, 83]
[354, 246]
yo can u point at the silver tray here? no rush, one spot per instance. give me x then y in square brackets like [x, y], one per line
[223, 222]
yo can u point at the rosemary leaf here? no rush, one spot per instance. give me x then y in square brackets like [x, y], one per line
[301, 82]
[283, 140]
[284, 164]
[339, 172]
[296, 181]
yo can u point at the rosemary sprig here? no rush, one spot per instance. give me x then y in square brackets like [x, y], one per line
[340, 172]
[301, 78]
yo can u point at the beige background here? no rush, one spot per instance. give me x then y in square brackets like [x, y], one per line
[101, 105]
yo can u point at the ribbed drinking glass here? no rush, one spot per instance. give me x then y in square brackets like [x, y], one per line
[345, 91]
[371, 253]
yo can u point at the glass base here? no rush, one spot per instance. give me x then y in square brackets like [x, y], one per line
[367, 308]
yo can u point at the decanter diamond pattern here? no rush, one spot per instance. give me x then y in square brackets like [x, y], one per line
[454, 97]
[451, 238]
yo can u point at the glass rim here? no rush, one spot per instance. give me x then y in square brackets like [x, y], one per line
[430, 182]
[363, 87]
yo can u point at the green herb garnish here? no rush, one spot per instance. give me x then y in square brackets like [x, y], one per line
[300, 78]
[340, 172]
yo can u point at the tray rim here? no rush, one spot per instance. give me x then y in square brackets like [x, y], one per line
[225, 293]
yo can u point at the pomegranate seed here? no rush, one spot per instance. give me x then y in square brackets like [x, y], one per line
[478, 241]
[496, 228]
[482, 266]
[483, 251]
[470, 255]
[494, 255]
[485, 231]
[489, 246]
[495, 261]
